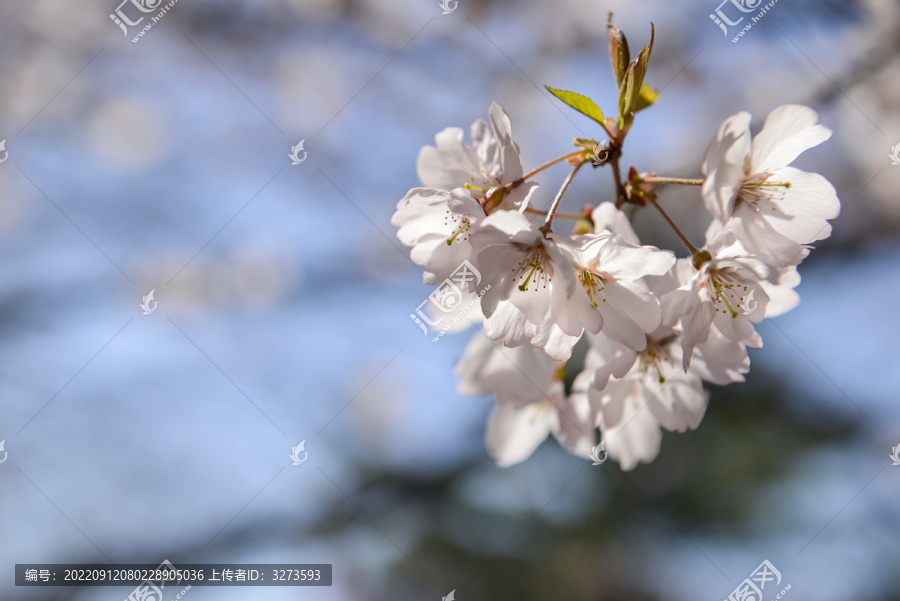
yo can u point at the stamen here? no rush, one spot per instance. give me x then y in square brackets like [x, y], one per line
[760, 189]
[721, 296]
[662, 378]
[650, 357]
[561, 373]
[464, 227]
[589, 281]
[778, 185]
[461, 220]
[524, 285]
[535, 260]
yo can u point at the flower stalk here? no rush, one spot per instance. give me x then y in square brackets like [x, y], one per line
[693, 249]
[548, 223]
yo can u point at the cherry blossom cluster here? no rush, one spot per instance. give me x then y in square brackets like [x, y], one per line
[647, 328]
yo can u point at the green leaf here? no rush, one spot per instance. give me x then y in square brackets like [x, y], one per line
[631, 87]
[647, 96]
[626, 92]
[580, 103]
[618, 50]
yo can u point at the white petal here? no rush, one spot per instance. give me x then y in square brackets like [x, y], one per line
[476, 367]
[518, 198]
[721, 361]
[556, 343]
[806, 206]
[723, 165]
[574, 430]
[738, 328]
[630, 431]
[628, 262]
[511, 224]
[782, 296]
[576, 313]
[695, 323]
[439, 260]
[451, 164]
[629, 314]
[759, 237]
[680, 403]
[607, 217]
[508, 323]
[607, 359]
[789, 130]
[513, 433]
[510, 162]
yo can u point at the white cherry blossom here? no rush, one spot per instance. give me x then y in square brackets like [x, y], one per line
[715, 292]
[531, 403]
[750, 186]
[437, 225]
[534, 297]
[634, 395]
[490, 163]
[598, 285]
[613, 269]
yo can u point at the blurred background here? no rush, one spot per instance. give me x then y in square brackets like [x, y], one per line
[284, 301]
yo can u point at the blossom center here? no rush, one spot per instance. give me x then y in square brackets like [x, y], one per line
[593, 284]
[725, 289]
[757, 188]
[459, 225]
[656, 351]
[530, 270]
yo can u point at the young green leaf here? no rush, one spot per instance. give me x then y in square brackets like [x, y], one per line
[580, 103]
[618, 50]
[626, 93]
[630, 89]
[642, 61]
[646, 97]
